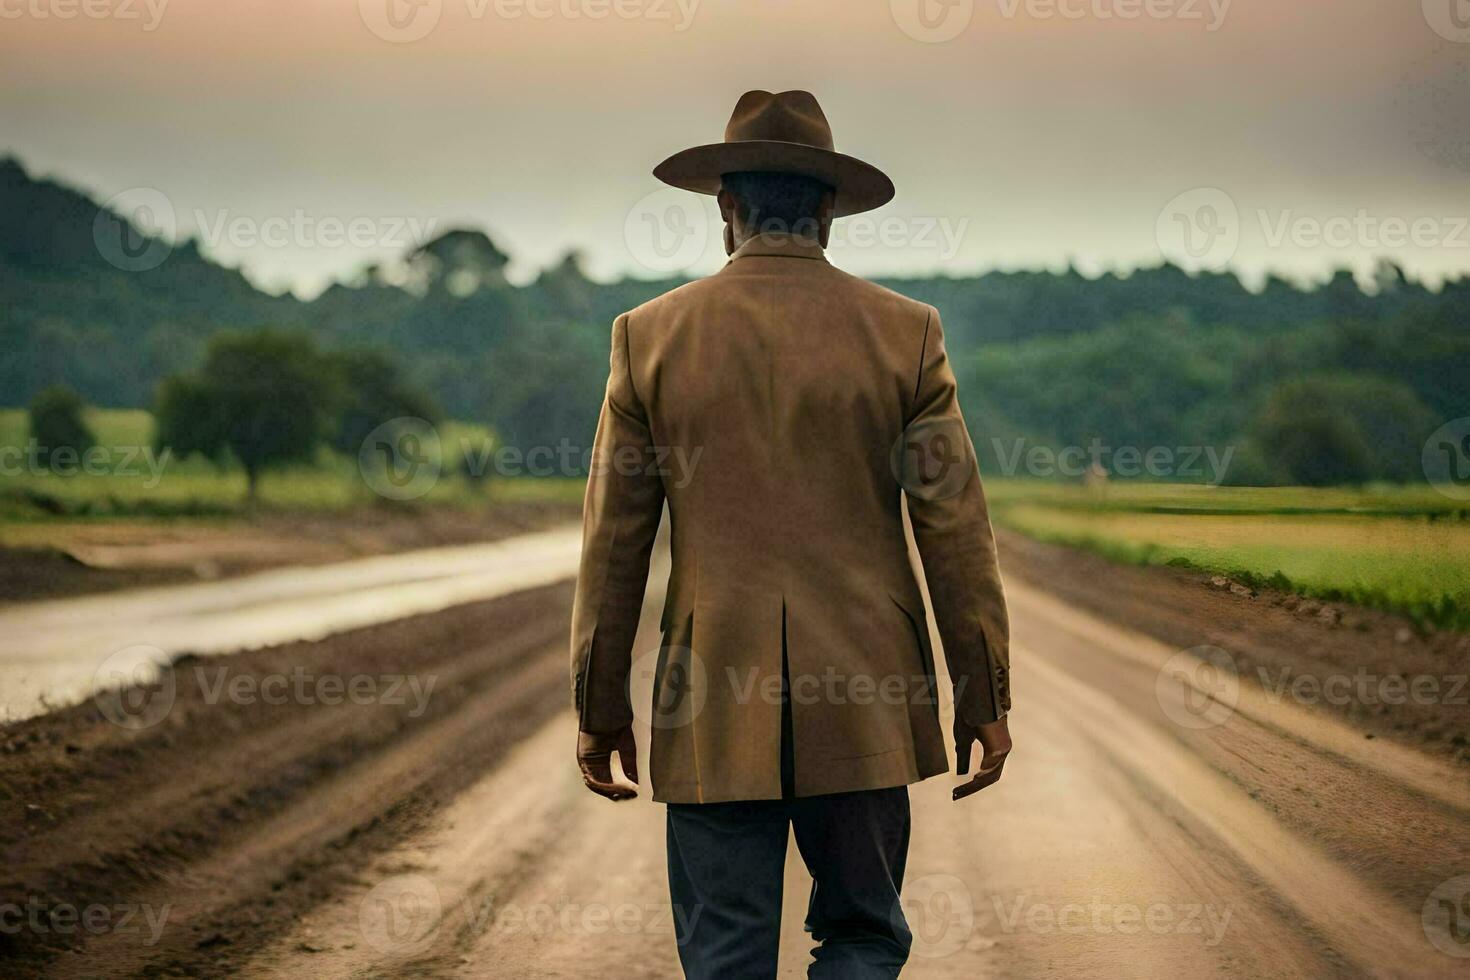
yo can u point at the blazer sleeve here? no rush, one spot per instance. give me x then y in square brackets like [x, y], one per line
[620, 517]
[951, 524]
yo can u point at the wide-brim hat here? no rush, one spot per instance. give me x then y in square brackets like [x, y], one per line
[783, 133]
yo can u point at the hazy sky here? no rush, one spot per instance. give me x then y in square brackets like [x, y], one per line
[304, 138]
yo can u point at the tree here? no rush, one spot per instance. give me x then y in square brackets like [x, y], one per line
[461, 262]
[374, 392]
[268, 398]
[1340, 427]
[56, 422]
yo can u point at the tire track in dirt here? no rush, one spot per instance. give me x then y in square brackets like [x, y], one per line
[236, 818]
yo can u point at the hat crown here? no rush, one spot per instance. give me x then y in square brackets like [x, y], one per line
[788, 117]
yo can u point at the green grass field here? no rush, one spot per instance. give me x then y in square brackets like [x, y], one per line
[137, 484]
[1404, 550]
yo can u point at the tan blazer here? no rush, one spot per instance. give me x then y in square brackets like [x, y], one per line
[781, 407]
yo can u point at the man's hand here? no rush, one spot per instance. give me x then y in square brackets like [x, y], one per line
[995, 743]
[594, 758]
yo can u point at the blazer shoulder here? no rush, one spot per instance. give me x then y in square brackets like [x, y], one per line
[895, 304]
[665, 303]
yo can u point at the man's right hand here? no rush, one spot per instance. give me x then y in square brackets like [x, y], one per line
[594, 759]
[995, 743]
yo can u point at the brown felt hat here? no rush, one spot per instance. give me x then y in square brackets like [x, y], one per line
[783, 133]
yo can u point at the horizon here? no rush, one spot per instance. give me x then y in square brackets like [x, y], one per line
[1021, 134]
[523, 274]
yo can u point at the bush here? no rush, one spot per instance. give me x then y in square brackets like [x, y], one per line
[56, 422]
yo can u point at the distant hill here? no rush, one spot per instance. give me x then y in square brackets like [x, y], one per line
[1154, 355]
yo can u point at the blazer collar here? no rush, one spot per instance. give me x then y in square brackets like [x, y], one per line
[782, 246]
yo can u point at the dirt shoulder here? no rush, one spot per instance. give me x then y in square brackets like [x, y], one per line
[1376, 669]
[50, 561]
[264, 782]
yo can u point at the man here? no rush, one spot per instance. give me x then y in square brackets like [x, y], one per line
[795, 683]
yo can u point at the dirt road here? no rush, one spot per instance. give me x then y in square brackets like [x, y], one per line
[1155, 820]
[54, 653]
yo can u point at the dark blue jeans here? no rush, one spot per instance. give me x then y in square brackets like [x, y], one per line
[726, 864]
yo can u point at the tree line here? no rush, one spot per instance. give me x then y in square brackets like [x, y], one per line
[1329, 383]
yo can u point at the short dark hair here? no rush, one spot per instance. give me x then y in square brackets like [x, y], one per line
[778, 202]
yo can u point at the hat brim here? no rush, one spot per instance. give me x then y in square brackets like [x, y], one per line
[859, 186]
